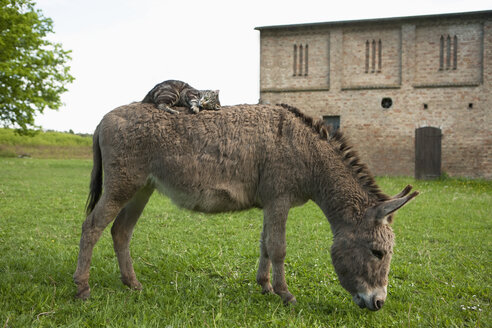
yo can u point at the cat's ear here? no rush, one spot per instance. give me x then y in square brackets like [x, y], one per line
[216, 91]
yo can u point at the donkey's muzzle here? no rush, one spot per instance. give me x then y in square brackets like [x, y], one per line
[372, 301]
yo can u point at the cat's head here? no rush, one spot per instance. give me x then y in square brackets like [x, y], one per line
[209, 99]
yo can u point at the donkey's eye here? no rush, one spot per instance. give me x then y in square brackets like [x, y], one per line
[377, 253]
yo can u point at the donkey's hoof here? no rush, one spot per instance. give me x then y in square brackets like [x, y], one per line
[133, 284]
[83, 293]
[292, 301]
[289, 299]
[268, 289]
[136, 286]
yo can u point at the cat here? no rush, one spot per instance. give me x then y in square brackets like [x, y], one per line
[177, 93]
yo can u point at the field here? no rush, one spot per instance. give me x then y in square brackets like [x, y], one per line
[199, 270]
[45, 145]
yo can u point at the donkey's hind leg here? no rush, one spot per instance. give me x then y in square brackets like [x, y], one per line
[104, 212]
[122, 231]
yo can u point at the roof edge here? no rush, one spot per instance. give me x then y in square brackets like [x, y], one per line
[467, 14]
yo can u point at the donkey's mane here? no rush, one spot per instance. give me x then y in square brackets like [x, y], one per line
[341, 144]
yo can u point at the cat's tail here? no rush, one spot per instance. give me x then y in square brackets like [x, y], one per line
[96, 175]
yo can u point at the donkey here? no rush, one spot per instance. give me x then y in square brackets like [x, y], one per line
[264, 156]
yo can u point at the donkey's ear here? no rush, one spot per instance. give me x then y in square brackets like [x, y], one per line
[390, 206]
[404, 192]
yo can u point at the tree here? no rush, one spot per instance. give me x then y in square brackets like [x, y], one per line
[33, 70]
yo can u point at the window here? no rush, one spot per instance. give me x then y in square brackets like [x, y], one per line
[295, 59]
[386, 103]
[374, 56]
[300, 59]
[300, 63]
[441, 53]
[306, 60]
[448, 52]
[380, 62]
[373, 66]
[333, 122]
[455, 52]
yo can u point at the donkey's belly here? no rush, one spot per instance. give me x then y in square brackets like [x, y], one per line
[220, 197]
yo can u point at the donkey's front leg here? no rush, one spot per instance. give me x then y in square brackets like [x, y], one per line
[273, 242]
[263, 275]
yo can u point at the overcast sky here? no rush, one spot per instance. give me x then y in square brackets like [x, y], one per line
[122, 48]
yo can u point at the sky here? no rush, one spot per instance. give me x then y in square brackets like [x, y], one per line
[122, 48]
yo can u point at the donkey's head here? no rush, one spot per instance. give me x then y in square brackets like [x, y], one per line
[361, 253]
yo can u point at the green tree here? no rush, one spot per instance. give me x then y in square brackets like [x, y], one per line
[33, 70]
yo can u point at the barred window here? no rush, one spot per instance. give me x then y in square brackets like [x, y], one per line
[374, 56]
[300, 62]
[448, 52]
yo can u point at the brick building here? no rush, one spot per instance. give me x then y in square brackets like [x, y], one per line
[388, 83]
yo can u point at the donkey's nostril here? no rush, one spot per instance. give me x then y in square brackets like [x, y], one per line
[378, 304]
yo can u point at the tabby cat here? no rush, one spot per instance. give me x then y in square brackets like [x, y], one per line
[177, 93]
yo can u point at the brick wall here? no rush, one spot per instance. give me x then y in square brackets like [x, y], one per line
[437, 71]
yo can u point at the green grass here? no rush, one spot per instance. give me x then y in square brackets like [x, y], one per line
[199, 270]
[44, 145]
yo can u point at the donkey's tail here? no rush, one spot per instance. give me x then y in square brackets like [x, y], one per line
[96, 175]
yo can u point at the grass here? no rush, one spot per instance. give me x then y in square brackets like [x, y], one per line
[199, 270]
[58, 145]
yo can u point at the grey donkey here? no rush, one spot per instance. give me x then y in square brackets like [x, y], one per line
[264, 156]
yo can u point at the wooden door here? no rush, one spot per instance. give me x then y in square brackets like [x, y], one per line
[428, 153]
